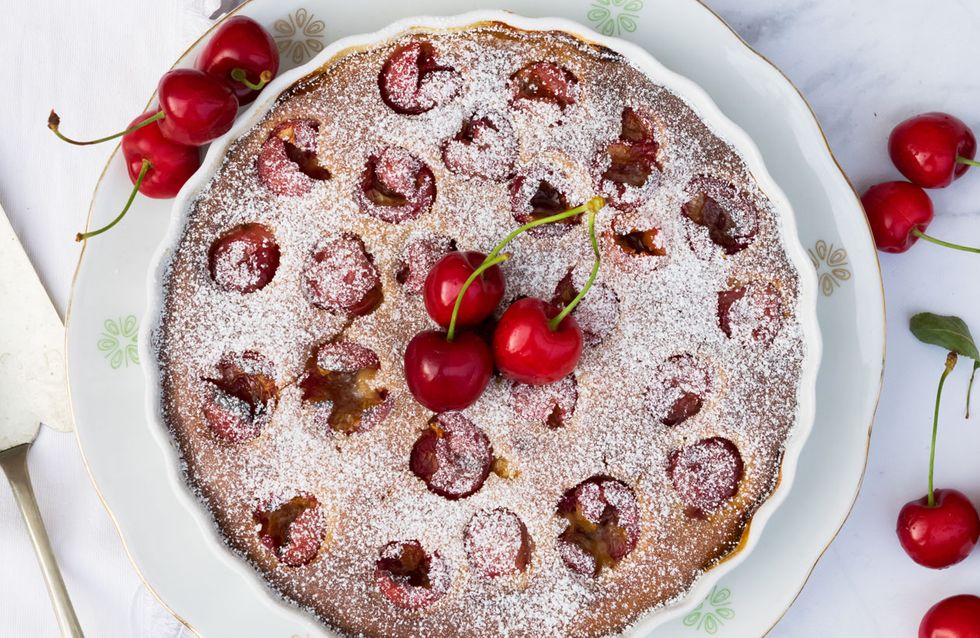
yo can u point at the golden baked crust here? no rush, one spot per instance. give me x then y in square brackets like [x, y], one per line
[651, 312]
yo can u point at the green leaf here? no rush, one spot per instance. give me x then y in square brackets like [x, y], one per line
[946, 332]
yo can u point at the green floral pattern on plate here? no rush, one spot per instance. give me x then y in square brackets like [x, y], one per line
[118, 341]
[614, 17]
[712, 613]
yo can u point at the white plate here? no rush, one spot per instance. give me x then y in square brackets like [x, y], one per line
[165, 534]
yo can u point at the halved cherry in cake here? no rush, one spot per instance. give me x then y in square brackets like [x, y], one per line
[544, 82]
[340, 276]
[241, 397]
[293, 530]
[497, 543]
[705, 474]
[682, 386]
[551, 404]
[288, 162]
[413, 80]
[537, 196]
[338, 381]
[452, 456]
[409, 576]
[639, 243]
[244, 258]
[723, 213]
[603, 524]
[630, 165]
[395, 186]
[754, 309]
[485, 146]
[598, 313]
[418, 259]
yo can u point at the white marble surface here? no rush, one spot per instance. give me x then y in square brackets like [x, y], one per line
[863, 66]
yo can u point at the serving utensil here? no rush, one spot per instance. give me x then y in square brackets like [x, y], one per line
[33, 389]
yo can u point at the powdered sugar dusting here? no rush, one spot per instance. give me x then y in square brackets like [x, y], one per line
[665, 305]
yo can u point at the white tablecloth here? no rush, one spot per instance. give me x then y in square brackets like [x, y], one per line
[863, 66]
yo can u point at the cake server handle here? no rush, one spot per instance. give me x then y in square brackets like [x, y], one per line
[14, 464]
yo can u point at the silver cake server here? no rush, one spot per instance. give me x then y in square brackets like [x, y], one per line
[33, 389]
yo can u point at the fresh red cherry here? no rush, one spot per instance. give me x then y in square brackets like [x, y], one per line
[954, 617]
[444, 374]
[243, 54]
[941, 534]
[527, 347]
[899, 213]
[932, 149]
[157, 166]
[195, 108]
[446, 279]
[942, 528]
[171, 164]
[895, 211]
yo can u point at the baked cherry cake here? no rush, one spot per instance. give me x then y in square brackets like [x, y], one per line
[564, 509]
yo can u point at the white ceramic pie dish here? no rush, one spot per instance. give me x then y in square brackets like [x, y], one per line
[234, 568]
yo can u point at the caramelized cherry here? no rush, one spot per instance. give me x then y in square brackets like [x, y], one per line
[603, 524]
[395, 186]
[244, 258]
[551, 404]
[413, 81]
[242, 397]
[340, 276]
[292, 530]
[630, 165]
[418, 259]
[409, 577]
[288, 162]
[682, 386]
[544, 82]
[705, 474]
[485, 146]
[725, 214]
[452, 456]
[754, 309]
[338, 381]
[497, 543]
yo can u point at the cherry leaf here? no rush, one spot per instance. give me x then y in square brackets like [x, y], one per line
[947, 332]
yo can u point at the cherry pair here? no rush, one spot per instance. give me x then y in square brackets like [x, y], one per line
[931, 150]
[196, 106]
[534, 342]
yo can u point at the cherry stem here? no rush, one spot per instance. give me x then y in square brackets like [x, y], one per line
[495, 257]
[54, 122]
[136, 187]
[483, 267]
[950, 364]
[557, 319]
[969, 387]
[593, 205]
[239, 75]
[966, 160]
[921, 235]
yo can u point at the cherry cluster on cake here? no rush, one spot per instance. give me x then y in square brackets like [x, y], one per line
[196, 106]
[534, 342]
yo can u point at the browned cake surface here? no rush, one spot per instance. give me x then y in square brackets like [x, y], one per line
[650, 308]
